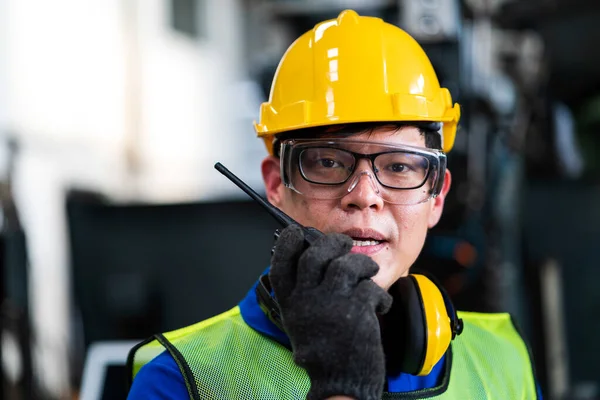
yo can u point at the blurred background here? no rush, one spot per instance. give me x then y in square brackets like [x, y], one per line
[114, 224]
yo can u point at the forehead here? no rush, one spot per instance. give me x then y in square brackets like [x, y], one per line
[406, 135]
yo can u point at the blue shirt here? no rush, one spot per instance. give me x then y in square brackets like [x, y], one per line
[161, 379]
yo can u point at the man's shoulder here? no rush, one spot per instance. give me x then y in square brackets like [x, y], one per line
[194, 337]
[159, 379]
[493, 341]
[502, 322]
[211, 351]
[492, 333]
[224, 321]
[484, 315]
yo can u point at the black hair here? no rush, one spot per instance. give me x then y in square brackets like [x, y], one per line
[430, 130]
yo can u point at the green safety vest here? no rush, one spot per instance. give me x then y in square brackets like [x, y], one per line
[224, 358]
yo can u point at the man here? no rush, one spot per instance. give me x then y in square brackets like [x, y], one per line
[356, 127]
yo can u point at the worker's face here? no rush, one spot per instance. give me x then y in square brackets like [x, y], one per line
[400, 230]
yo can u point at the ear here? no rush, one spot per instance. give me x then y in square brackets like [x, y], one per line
[437, 205]
[272, 179]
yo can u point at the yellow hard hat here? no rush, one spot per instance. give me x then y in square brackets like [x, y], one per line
[355, 69]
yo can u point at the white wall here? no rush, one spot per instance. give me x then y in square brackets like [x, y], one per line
[104, 95]
[135, 109]
[65, 103]
[3, 64]
[66, 82]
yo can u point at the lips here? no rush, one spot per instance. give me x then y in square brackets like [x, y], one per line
[366, 241]
[365, 234]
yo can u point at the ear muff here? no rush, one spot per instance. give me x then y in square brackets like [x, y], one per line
[419, 327]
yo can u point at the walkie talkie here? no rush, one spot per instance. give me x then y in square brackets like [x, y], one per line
[263, 289]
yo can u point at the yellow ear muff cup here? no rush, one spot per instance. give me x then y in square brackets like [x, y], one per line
[408, 318]
[438, 328]
[417, 330]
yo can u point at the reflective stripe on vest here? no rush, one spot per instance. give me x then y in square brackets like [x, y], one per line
[224, 358]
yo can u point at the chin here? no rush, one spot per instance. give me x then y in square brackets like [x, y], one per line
[383, 280]
[388, 274]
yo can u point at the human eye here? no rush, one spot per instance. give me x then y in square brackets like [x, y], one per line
[400, 169]
[325, 159]
[400, 164]
[326, 165]
[329, 163]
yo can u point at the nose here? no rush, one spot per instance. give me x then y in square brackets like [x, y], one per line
[363, 192]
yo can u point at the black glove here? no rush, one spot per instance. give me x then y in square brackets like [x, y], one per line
[328, 307]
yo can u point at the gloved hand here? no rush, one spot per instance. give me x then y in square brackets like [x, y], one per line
[328, 306]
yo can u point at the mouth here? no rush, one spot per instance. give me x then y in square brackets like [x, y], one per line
[366, 241]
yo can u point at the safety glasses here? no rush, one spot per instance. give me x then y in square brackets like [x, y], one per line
[332, 168]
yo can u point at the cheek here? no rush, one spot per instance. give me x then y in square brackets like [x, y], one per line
[311, 213]
[412, 225]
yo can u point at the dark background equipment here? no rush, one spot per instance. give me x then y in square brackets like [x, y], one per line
[142, 269]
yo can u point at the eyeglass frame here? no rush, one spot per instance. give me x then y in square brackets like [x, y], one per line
[438, 155]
